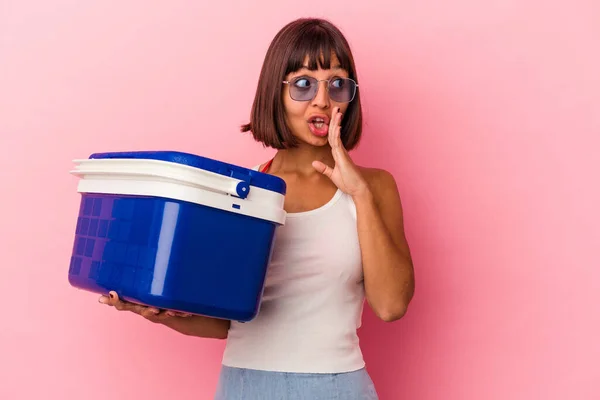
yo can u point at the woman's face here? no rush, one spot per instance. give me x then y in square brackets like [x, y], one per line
[309, 120]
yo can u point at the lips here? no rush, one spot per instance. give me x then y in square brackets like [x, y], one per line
[319, 119]
[319, 124]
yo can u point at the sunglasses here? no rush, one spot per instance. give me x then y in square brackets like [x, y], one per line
[305, 88]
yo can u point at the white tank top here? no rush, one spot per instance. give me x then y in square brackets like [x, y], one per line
[313, 297]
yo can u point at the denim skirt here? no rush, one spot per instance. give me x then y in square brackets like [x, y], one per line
[250, 384]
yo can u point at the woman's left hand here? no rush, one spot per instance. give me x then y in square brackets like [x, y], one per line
[345, 174]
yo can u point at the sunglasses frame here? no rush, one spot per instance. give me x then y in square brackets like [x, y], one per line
[318, 82]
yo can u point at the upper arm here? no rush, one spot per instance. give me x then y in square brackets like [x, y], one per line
[388, 202]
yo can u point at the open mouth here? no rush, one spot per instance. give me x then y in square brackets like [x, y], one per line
[319, 124]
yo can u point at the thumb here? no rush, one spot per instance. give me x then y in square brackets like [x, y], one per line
[322, 168]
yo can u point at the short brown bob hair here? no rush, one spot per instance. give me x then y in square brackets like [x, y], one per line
[317, 39]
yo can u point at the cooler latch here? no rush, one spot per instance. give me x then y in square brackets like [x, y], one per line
[243, 188]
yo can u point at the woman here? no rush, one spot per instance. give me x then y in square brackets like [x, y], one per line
[343, 240]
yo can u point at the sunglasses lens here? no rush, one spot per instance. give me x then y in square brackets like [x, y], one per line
[303, 89]
[342, 90]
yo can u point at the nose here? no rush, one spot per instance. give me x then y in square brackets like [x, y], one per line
[321, 99]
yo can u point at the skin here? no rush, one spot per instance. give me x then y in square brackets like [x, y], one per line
[319, 166]
[313, 172]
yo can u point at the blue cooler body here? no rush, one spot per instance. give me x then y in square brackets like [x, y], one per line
[176, 231]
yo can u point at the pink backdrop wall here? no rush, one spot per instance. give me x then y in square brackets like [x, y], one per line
[487, 113]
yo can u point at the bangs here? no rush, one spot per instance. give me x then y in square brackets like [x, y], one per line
[318, 45]
[310, 43]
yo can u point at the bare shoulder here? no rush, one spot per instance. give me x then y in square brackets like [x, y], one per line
[387, 199]
[381, 182]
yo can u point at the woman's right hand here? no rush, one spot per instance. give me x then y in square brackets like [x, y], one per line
[152, 314]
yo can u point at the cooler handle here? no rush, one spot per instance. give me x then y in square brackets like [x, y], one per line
[185, 174]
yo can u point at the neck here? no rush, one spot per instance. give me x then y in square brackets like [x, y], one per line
[299, 159]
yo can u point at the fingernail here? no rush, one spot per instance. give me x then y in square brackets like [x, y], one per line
[102, 300]
[170, 313]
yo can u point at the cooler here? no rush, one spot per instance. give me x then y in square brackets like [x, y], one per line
[175, 231]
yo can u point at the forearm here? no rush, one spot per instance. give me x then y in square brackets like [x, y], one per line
[388, 270]
[200, 326]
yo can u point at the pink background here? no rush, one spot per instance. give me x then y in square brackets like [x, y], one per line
[487, 113]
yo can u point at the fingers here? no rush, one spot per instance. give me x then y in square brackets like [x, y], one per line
[155, 315]
[335, 129]
[332, 124]
[322, 168]
[113, 300]
[151, 313]
[171, 313]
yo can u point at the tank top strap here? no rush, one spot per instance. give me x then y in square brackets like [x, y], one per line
[265, 168]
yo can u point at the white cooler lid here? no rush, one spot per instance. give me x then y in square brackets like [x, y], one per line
[184, 177]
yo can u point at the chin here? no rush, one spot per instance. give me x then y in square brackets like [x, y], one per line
[312, 140]
[316, 141]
